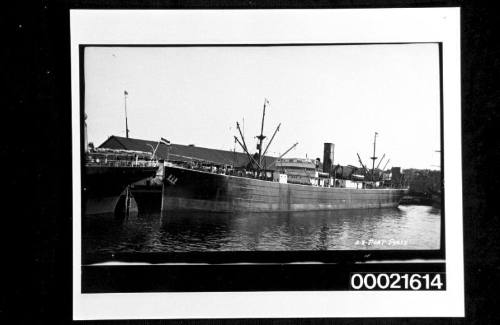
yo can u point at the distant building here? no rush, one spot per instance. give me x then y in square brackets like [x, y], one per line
[423, 181]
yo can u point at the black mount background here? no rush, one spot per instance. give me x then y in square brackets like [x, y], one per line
[37, 65]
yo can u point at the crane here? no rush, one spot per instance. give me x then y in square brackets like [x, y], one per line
[296, 143]
[248, 154]
[381, 159]
[384, 168]
[373, 158]
[267, 147]
[361, 162]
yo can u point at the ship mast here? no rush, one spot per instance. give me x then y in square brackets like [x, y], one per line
[374, 157]
[125, 94]
[259, 161]
[261, 137]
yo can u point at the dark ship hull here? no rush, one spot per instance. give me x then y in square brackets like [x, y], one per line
[188, 189]
[147, 197]
[103, 186]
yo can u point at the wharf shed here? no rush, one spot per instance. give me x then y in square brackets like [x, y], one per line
[184, 153]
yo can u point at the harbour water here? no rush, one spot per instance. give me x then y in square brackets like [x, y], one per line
[405, 227]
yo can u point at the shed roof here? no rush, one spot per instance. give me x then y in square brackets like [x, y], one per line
[181, 152]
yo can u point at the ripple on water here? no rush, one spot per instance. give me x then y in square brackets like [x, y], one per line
[406, 227]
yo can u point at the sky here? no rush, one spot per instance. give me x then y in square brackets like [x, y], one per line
[337, 93]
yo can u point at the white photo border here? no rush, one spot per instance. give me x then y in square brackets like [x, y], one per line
[271, 27]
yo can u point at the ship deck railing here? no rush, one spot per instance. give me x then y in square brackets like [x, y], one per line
[119, 159]
[121, 163]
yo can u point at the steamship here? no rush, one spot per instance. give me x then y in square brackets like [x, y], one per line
[108, 175]
[291, 184]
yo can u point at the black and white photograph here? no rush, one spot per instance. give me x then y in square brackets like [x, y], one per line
[263, 152]
[301, 192]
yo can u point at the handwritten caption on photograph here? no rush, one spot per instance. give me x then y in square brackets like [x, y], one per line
[381, 242]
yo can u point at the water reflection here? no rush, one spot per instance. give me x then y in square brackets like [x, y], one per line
[406, 227]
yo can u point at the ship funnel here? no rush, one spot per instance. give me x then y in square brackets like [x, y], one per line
[396, 176]
[328, 151]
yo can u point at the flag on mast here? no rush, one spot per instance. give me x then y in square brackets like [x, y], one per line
[165, 141]
[125, 92]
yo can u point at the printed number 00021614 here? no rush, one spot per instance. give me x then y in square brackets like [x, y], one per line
[398, 281]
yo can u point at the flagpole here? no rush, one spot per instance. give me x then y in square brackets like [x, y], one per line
[167, 143]
[125, 93]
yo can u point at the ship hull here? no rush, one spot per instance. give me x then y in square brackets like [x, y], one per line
[186, 189]
[147, 197]
[103, 186]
